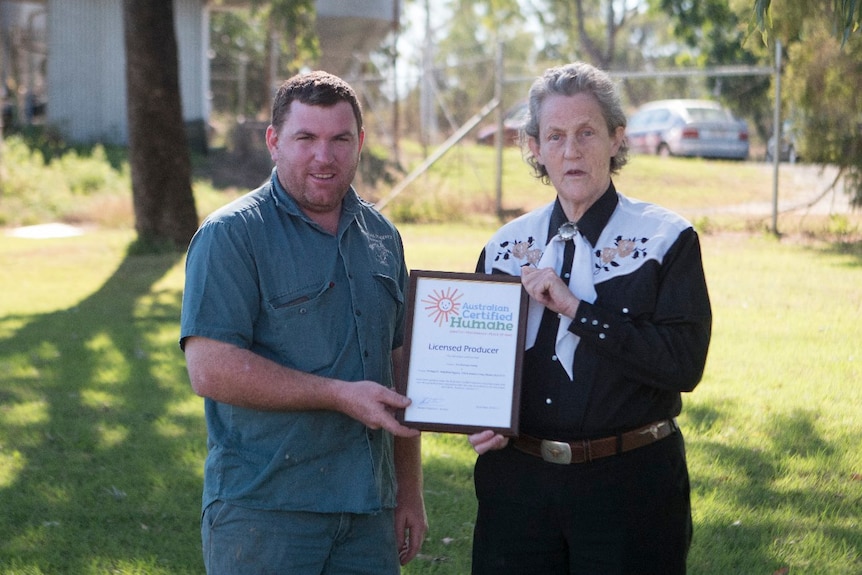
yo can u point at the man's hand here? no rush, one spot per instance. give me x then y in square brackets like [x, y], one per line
[374, 405]
[411, 522]
[236, 376]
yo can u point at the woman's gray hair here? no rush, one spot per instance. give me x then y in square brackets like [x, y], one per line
[569, 80]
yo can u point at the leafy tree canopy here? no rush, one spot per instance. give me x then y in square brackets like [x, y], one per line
[846, 15]
[823, 72]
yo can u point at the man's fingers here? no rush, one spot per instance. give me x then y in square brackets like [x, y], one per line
[400, 430]
[394, 399]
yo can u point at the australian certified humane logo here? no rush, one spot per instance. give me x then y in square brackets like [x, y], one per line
[445, 308]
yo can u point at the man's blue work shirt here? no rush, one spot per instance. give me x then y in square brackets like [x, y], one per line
[262, 276]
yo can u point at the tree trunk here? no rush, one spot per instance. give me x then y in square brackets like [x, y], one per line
[164, 205]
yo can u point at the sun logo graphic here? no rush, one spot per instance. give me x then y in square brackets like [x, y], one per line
[440, 305]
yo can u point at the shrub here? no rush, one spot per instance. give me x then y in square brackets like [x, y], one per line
[72, 185]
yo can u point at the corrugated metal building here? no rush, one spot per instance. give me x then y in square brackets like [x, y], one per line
[79, 64]
[86, 68]
[84, 76]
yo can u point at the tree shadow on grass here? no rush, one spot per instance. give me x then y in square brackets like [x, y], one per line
[776, 512]
[106, 437]
[758, 521]
[850, 249]
[451, 506]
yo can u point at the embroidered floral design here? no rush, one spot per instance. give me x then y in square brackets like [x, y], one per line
[623, 248]
[520, 250]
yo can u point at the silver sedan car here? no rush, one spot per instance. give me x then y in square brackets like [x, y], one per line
[695, 128]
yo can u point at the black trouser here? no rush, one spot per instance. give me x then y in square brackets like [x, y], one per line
[627, 514]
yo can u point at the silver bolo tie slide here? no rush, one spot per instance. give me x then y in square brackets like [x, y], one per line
[567, 231]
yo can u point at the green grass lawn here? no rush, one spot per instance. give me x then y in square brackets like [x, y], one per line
[102, 441]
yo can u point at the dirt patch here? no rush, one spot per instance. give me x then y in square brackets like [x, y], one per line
[44, 231]
[802, 189]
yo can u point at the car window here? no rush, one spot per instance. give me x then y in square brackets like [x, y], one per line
[637, 120]
[660, 116]
[707, 115]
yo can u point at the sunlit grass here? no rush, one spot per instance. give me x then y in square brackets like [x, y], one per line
[102, 441]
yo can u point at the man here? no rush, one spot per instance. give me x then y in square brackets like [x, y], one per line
[619, 325]
[292, 325]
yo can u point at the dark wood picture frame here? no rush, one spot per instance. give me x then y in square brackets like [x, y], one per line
[518, 302]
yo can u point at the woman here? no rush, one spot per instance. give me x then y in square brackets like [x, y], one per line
[619, 325]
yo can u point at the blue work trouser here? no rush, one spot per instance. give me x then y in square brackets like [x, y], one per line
[241, 541]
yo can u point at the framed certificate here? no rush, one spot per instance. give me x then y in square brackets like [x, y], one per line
[463, 352]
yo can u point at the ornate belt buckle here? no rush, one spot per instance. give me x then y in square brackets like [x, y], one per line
[556, 452]
[654, 429]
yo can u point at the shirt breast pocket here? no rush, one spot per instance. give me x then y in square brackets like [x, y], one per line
[390, 299]
[309, 331]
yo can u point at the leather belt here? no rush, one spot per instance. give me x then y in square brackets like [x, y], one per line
[566, 452]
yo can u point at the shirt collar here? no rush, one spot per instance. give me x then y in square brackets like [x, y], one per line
[592, 222]
[350, 205]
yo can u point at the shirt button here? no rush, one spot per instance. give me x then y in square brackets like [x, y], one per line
[549, 401]
[553, 358]
[567, 276]
[602, 336]
[303, 311]
[358, 312]
[606, 326]
[625, 310]
[595, 322]
[583, 320]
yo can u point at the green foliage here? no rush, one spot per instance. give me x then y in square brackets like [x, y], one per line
[462, 54]
[840, 226]
[588, 30]
[293, 18]
[45, 181]
[39, 186]
[824, 48]
[845, 16]
[716, 34]
[696, 21]
[458, 188]
[89, 174]
[238, 44]
[242, 51]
